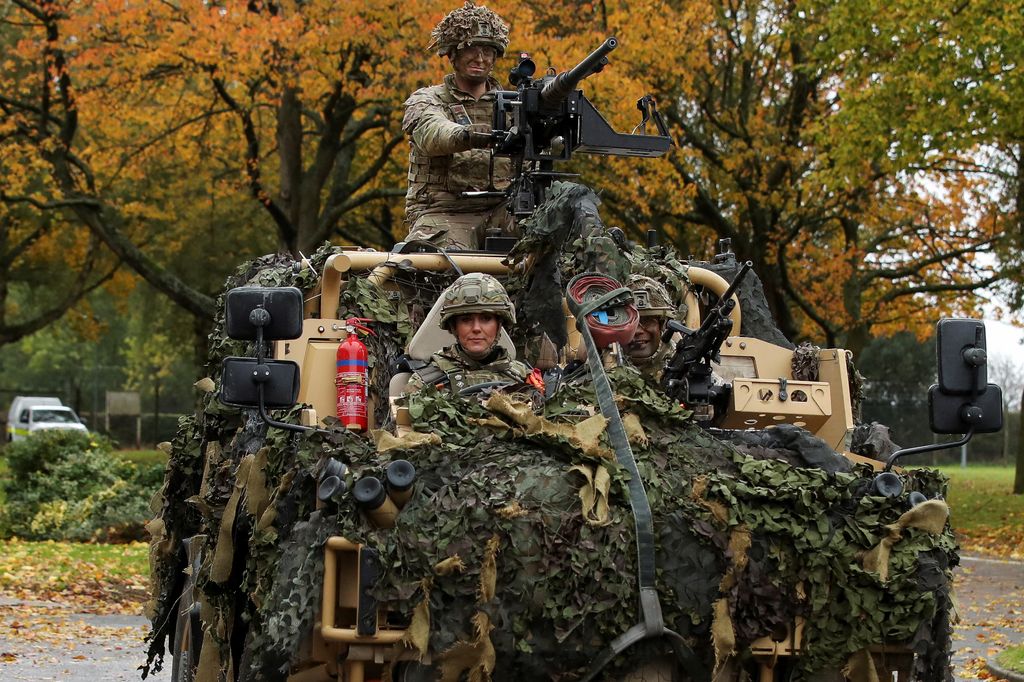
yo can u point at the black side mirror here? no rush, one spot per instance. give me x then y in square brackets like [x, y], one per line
[961, 413]
[262, 314]
[963, 401]
[243, 377]
[274, 311]
[962, 357]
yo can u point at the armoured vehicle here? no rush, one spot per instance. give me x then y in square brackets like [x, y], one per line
[778, 552]
[726, 520]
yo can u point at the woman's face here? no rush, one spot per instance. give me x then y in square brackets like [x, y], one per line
[476, 333]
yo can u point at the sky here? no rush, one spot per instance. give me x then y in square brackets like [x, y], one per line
[1004, 339]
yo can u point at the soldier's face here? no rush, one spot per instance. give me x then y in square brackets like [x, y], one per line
[474, 63]
[477, 333]
[647, 338]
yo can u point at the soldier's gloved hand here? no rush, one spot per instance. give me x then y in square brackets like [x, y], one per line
[478, 140]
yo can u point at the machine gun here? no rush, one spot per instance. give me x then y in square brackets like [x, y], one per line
[547, 119]
[687, 375]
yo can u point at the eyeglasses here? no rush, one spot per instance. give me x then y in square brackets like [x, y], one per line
[484, 52]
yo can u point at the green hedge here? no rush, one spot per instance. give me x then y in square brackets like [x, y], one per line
[68, 485]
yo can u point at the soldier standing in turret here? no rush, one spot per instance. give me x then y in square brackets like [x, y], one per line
[449, 129]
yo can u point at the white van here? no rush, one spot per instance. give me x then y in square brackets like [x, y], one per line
[33, 413]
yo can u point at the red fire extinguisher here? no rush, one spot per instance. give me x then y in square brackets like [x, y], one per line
[353, 378]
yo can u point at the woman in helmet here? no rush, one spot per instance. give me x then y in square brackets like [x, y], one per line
[474, 310]
[449, 128]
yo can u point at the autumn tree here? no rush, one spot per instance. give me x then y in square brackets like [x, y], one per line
[849, 241]
[152, 125]
[944, 92]
[47, 263]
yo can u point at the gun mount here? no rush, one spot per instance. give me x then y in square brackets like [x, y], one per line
[688, 373]
[547, 119]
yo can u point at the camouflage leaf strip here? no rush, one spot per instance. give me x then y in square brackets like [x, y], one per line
[209, 661]
[160, 547]
[861, 667]
[206, 385]
[257, 497]
[411, 439]
[213, 458]
[475, 658]
[417, 635]
[717, 509]
[512, 510]
[224, 552]
[585, 435]
[594, 494]
[634, 429]
[928, 516]
[723, 634]
[739, 543]
[450, 565]
[489, 570]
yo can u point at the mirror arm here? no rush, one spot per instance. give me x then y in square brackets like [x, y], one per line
[927, 448]
[281, 425]
[259, 319]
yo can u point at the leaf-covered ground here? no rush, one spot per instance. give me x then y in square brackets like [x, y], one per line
[44, 586]
[66, 607]
[94, 578]
[991, 606]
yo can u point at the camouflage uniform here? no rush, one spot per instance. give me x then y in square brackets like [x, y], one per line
[442, 160]
[455, 370]
[452, 367]
[652, 300]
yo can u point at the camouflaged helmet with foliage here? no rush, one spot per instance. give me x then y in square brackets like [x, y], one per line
[650, 296]
[477, 293]
[469, 25]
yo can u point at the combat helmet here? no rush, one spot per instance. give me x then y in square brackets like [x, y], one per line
[476, 293]
[469, 25]
[650, 297]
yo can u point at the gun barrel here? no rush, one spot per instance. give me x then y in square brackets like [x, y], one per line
[744, 269]
[565, 82]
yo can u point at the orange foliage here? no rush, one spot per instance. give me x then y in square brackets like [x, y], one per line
[188, 112]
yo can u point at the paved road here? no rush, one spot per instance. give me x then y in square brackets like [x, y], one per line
[991, 597]
[42, 641]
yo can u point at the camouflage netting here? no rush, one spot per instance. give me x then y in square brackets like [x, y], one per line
[516, 555]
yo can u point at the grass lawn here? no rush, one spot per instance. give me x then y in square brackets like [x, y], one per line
[982, 496]
[1012, 659]
[984, 510]
[144, 457]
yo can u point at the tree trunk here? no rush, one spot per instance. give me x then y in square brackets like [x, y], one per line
[1018, 481]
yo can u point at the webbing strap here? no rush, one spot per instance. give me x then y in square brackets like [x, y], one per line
[601, 302]
[652, 623]
[641, 506]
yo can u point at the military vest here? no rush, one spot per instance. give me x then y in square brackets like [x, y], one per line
[436, 181]
[458, 371]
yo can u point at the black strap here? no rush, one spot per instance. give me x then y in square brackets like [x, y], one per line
[614, 297]
[652, 623]
[432, 375]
